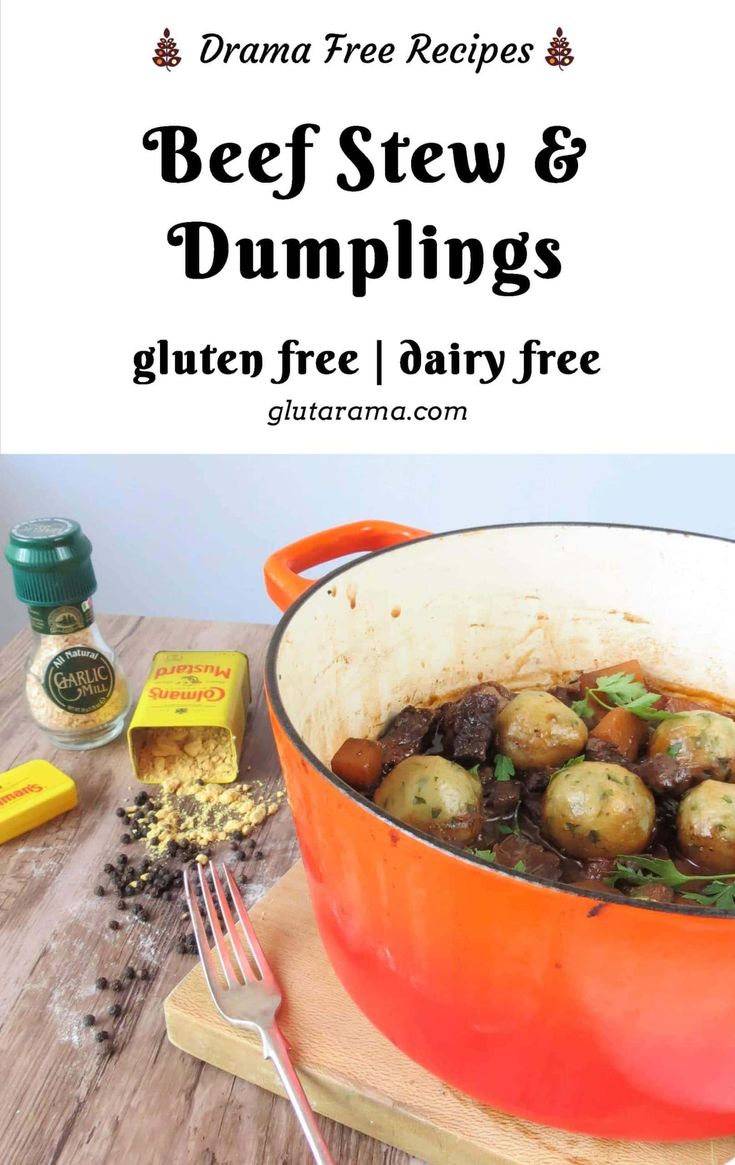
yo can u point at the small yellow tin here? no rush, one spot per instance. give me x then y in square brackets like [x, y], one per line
[31, 794]
[189, 723]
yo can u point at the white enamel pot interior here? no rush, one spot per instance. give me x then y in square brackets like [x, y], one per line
[526, 605]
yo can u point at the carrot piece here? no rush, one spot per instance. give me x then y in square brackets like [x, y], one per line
[590, 679]
[623, 730]
[631, 667]
[683, 704]
[359, 763]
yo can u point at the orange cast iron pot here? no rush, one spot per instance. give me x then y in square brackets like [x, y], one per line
[611, 1018]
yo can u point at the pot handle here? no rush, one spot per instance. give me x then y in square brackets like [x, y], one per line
[282, 570]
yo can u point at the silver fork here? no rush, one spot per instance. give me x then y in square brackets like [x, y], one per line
[249, 1000]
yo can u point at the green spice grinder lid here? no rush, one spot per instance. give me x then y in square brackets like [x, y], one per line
[51, 563]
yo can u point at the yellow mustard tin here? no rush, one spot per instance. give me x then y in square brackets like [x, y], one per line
[190, 719]
[31, 794]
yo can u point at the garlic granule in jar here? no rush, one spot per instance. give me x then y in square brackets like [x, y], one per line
[75, 688]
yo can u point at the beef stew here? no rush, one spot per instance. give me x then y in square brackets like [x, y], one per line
[603, 783]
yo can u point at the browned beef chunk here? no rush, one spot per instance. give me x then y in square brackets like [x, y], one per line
[536, 860]
[602, 750]
[411, 732]
[566, 694]
[664, 775]
[598, 868]
[532, 791]
[505, 694]
[655, 893]
[532, 803]
[467, 725]
[501, 798]
[536, 780]
[595, 885]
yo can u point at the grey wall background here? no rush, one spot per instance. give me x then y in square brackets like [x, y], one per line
[188, 536]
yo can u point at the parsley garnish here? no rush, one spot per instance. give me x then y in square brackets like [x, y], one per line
[504, 768]
[622, 690]
[574, 760]
[719, 893]
[487, 855]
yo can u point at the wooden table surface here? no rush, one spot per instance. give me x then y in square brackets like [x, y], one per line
[62, 1101]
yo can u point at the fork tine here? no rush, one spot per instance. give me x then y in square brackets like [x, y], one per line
[240, 953]
[228, 966]
[205, 955]
[257, 951]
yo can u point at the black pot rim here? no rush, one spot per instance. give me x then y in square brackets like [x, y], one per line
[279, 710]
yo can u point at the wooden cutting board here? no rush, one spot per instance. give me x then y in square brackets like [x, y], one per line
[352, 1074]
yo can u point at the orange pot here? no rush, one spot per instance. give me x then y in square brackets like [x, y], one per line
[610, 1018]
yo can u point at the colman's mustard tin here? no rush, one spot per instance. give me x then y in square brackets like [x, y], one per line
[189, 723]
[31, 794]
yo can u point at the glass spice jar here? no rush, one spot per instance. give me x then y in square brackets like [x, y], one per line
[76, 691]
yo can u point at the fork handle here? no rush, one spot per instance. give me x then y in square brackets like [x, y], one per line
[276, 1049]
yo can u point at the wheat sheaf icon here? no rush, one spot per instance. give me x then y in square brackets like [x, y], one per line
[559, 51]
[167, 55]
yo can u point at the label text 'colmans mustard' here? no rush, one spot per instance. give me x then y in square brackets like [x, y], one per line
[189, 724]
[189, 669]
[211, 695]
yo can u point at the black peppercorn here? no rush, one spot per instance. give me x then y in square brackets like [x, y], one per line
[99, 891]
[122, 905]
[113, 924]
[238, 835]
[120, 812]
[115, 1010]
[129, 973]
[125, 839]
[101, 984]
[108, 868]
[101, 1036]
[116, 985]
[88, 1020]
[145, 974]
[122, 859]
[141, 798]
[259, 855]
